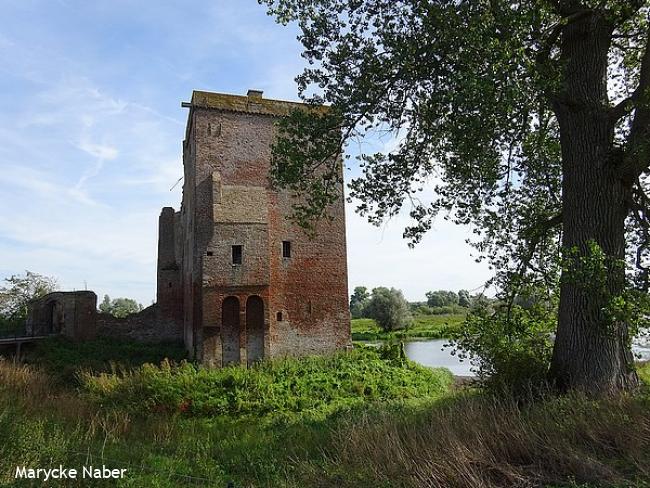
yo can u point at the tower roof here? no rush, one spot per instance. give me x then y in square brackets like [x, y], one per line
[252, 103]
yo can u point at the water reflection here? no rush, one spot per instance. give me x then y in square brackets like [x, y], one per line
[432, 353]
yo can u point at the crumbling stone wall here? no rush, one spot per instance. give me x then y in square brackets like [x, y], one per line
[72, 314]
[150, 325]
[300, 302]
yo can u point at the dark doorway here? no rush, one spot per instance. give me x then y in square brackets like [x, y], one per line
[254, 329]
[54, 322]
[230, 331]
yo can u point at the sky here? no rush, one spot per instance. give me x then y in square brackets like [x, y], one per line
[91, 130]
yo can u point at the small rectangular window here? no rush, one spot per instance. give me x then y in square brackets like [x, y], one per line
[286, 249]
[210, 253]
[236, 254]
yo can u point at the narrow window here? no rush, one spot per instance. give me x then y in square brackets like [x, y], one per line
[279, 316]
[286, 249]
[236, 254]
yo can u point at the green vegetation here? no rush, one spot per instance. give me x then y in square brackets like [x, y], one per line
[15, 297]
[514, 344]
[389, 309]
[346, 438]
[63, 359]
[315, 385]
[358, 301]
[120, 307]
[179, 425]
[424, 326]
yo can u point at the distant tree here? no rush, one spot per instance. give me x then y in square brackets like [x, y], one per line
[358, 301]
[19, 291]
[441, 298]
[105, 306]
[464, 298]
[389, 309]
[120, 307]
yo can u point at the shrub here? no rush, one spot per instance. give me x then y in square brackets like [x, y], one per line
[389, 309]
[510, 349]
[316, 384]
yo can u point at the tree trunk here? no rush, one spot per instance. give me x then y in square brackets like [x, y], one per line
[591, 351]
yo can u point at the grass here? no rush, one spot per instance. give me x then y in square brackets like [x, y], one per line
[319, 428]
[424, 326]
[179, 425]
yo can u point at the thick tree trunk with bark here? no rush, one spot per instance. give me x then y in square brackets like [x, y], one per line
[591, 352]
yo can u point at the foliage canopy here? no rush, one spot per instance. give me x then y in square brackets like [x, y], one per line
[528, 121]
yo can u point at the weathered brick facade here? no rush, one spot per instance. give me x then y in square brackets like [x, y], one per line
[222, 269]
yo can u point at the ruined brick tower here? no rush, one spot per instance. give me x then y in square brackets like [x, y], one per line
[244, 281]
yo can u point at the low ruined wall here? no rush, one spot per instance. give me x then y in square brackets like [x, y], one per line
[71, 313]
[146, 326]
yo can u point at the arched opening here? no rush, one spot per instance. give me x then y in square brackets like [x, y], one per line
[54, 318]
[254, 329]
[230, 331]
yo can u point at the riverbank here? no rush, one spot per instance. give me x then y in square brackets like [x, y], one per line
[424, 327]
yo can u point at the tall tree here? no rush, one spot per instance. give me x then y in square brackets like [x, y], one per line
[389, 308]
[529, 120]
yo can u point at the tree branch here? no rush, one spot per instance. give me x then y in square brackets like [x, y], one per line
[638, 151]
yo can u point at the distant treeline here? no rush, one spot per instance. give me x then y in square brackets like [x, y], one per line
[391, 310]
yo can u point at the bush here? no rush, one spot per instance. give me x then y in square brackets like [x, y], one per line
[64, 358]
[315, 384]
[389, 309]
[120, 307]
[510, 350]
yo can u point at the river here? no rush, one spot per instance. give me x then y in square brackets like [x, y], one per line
[431, 352]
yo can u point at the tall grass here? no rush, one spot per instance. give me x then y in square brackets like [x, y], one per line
[485, 441]
[43, 423]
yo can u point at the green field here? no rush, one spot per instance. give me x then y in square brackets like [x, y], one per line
[424, 326]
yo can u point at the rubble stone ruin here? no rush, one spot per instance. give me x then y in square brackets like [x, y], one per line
[244, 281]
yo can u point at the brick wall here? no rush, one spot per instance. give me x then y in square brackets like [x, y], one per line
[149, 325]
[228, 200]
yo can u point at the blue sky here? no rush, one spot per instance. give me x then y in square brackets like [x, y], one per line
[91, 130]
